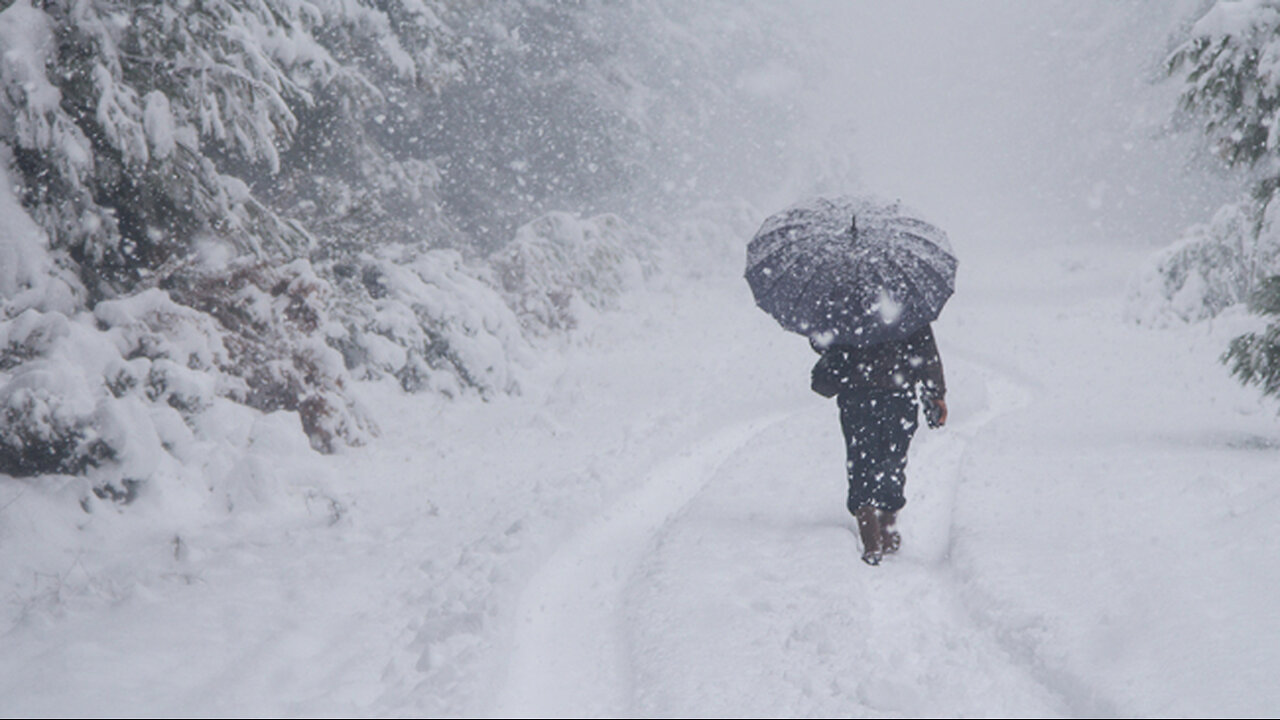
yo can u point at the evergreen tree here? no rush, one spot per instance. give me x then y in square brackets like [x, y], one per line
[332, 189]
[1228, 66]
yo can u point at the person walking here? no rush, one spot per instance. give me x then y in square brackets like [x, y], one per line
[876, 388]
[863, 279]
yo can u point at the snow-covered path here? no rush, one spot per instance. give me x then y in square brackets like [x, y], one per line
[740, 562]
[657, 527]
[750, 598]
[570, 656]
[768, 574]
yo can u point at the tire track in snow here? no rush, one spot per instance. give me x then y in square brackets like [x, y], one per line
[756, 603]
[1008, 391]
[568, 656]
[943, 456]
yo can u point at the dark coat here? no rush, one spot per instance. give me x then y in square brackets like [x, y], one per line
[893, 366]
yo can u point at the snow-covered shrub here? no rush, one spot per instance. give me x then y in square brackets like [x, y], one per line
[424, 317]
[72, 403]
[272, 325]
[1213, 267]
[47, 409]
[560, 266]
[134, 394]
[94, 391]
[110, 390]
[46, 415]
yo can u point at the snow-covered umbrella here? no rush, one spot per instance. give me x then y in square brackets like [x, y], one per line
[850, 270]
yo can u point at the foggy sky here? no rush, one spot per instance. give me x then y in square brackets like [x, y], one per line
[1012, 115]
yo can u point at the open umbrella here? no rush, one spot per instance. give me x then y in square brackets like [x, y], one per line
[850, 270]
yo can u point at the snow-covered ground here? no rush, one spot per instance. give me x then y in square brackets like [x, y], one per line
[656, 527]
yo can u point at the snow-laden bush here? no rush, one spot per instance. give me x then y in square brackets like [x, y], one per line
[133, 399]
[71, 402]
[560, 267]
[1212, 267]
[101, 391]
[111, 387]
[424, 317]
[272, 324]
[52, 415]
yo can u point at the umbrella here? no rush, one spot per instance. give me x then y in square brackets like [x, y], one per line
[850, 270]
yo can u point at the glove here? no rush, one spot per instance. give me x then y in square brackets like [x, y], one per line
[935, 412]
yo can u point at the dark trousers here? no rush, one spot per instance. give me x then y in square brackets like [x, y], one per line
[878, 426]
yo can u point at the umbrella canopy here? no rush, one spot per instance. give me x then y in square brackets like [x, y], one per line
[850, 270]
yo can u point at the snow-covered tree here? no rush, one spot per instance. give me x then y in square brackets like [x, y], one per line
[138, 137]
[1230, 70]
[606, 107]
[258, 202]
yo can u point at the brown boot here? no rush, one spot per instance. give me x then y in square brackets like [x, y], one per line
[890, 539]
[869, 528]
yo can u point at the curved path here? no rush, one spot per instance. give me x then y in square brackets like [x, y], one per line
[711, 544]
[568, 658]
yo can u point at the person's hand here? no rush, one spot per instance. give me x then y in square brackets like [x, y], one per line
[936, 412]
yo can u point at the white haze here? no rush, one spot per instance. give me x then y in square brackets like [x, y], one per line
[1010, 115]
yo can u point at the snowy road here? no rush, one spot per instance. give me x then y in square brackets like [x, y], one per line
[656, 527]
[622, 619]
[742, 594]
[570, 655]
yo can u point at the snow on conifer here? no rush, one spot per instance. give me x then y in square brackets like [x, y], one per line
[254, 204]
[1229, 70]
[1227, 67]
